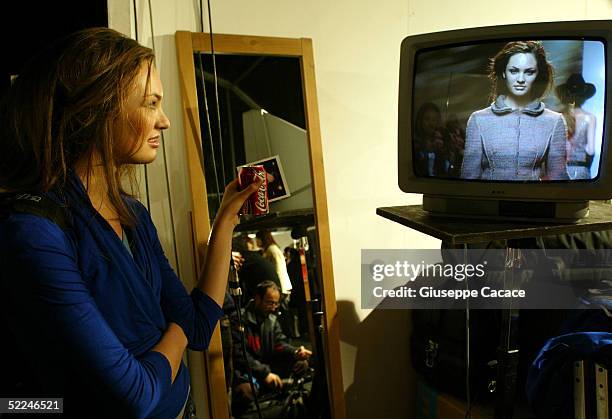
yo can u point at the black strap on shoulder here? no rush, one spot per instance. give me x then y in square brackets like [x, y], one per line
[36, 204]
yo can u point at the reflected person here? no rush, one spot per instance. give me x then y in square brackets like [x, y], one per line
[516, 137]
[269, 354]
[580, 125]
[428, 142]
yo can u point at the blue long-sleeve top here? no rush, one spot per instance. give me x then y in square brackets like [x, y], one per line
[87, 312]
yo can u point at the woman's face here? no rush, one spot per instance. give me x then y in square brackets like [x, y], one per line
[141, 129]
[521, 71]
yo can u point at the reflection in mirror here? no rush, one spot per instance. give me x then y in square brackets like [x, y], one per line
[260, 111]
[261, 114]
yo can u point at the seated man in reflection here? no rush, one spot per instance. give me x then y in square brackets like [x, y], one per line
[269, 353]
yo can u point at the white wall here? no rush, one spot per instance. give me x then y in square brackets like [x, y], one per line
[356, 45]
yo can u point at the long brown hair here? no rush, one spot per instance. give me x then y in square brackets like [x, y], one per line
[266, 238]
[497, 67]
[65, 108]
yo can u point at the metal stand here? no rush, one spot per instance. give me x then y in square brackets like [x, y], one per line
[508, 349]
[583, 387]
[459, 232]
[602, 392]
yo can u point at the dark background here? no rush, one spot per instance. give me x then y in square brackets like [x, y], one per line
[29, 27]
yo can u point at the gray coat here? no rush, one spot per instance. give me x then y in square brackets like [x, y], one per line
[505, 144]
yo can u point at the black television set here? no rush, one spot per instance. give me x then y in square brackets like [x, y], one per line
[507, 122]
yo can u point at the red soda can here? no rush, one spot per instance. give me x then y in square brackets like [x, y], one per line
[257, 203]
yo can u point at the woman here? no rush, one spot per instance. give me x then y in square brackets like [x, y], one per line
[580, 125]
[428, 141]
[95, 307]
[274, 254]
[516, 138]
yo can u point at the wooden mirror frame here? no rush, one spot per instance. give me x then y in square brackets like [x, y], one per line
[212, 382]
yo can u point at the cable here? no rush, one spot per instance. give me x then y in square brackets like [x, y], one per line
[468, 412]
[146, 175]
[163, 144]
[207, 111]
[201, 17]
[135, 20]
[208, 126]
[236, 293]
[151, 23]
[214, 60]
[234, 283]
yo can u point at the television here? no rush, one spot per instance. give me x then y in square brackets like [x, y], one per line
[507, 122]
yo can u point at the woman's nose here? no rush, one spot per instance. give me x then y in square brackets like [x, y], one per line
[163, 122]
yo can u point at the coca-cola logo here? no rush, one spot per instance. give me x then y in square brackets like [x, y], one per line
[261, 203]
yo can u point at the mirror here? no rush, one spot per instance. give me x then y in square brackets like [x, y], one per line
[266, 108]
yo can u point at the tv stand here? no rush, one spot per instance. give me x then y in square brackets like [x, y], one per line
[508, 210]
[457, 232]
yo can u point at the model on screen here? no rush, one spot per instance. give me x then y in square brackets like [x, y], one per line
[516, 138]
[580, 126]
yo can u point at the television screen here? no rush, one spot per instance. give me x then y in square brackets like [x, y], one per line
[529, 110]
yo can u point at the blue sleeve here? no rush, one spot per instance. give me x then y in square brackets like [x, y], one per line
[197, 314]
[41, 255]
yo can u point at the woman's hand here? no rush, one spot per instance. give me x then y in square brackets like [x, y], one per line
[233, 199]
